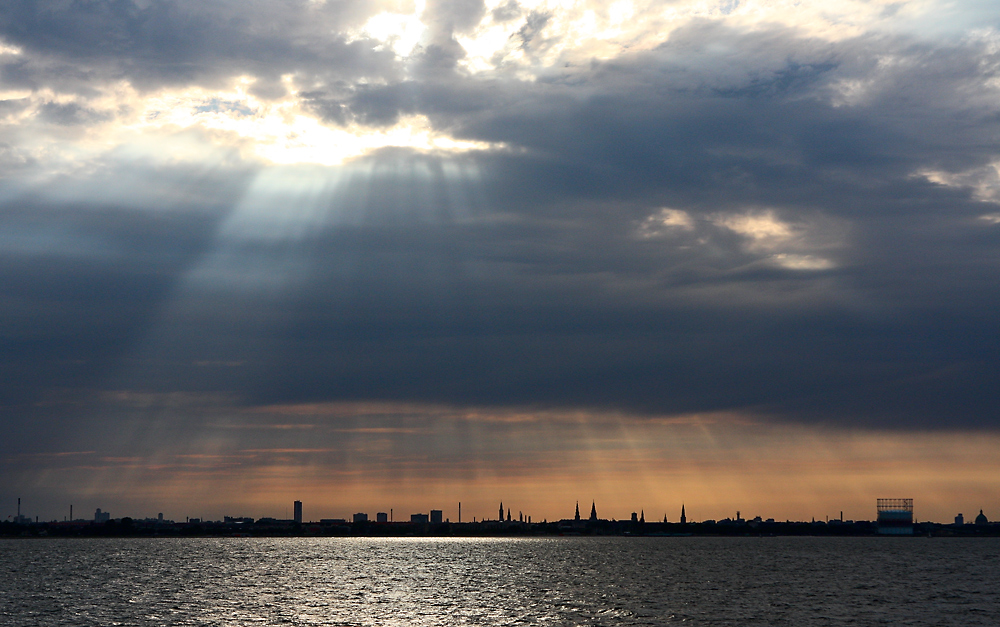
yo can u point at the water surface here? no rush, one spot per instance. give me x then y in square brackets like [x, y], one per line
[523, 581]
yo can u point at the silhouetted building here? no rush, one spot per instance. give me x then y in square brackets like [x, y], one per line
[895, 516]
[642, 516]
[437, 516]
[381, 517]
[100, 516]
[576, 516]
[297, 511]
[418, 518]
[593, 511]
[360, 517]
[684, 517]
[635, 517]
[981, 519]
[500, 517]
[959, 520]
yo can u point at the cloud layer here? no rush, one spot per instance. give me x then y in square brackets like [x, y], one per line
[649, 208]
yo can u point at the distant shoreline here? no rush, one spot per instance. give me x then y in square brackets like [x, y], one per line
[126, 528]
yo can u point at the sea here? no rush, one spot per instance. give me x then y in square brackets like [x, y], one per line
[494, 581]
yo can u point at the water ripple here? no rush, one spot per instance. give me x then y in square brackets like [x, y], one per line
[360, 582]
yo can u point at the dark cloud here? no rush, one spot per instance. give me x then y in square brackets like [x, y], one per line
[813, 270]
[160, 43]
[71, 114]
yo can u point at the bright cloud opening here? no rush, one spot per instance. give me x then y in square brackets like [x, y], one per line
[665, 221]
[283, 133]
[401, 31]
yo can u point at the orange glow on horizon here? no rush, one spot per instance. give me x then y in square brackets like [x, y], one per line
[716, 466]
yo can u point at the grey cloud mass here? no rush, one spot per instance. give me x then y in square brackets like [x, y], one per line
[748, 220]
[80, 44]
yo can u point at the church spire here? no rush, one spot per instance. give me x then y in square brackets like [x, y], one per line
[577, 516]
[593, 511]
[684, 517]
[500, 517]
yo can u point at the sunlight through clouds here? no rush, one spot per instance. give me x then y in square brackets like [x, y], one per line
[400, 31]
[663, 222]
[282, 134]
[530, 38]
[788, 245]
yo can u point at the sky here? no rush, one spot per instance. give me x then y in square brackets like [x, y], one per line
[373, 254]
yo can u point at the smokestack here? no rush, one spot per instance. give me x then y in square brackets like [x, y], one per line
[71, 512]
[460, 511]
[18, 508]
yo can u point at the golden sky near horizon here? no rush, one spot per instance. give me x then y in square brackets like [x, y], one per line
[345, 458]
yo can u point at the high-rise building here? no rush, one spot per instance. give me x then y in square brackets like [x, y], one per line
[100, 516]
[297, 509]
[381, 517]
[437, 516]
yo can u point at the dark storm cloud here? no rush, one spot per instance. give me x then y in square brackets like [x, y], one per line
[83, 280]
[70, 114]
[545, 274]
[77, 44]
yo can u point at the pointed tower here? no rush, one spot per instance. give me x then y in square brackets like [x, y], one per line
[593, 511]
[508, 514]
[684, 517]
[577, 516]
[642, 515]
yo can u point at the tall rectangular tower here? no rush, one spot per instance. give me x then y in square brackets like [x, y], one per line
[298, 512]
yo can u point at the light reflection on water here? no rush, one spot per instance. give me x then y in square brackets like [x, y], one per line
[557, 581]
